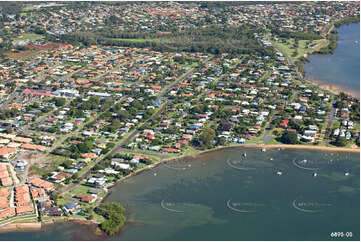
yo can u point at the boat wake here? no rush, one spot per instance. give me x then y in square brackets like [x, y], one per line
[175, 168]
[169, 209]
[304, 168]
[239, 210]
[239, 167]
[304, 210]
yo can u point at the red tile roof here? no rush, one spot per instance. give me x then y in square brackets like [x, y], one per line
[24, 209]
[6, 181]
[5, 151]
[7, 212]
[33, 147]
[28, 91]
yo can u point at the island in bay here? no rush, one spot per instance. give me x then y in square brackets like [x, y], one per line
[126, 118]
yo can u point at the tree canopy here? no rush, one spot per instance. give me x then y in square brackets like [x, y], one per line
[206, 138]
[114, 215]
[289, 138]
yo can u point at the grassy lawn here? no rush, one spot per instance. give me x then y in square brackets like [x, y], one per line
[273, 141]
[150, 152]
[80, 189]
[254, 140]
[189, 151]
[50, 165]
[135, 40]
[302, 48]
[87, 167]
[20, 219]
[285, 47]
[64, 199]
[30, 36]
[335, 124]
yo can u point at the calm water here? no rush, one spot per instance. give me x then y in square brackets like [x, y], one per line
[342, 68]
[222, 196]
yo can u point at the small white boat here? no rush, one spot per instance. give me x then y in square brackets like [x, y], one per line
[263, 150]
[155, 174]
[271, 159]
[304, 161]
[279, 173]
[315, 174]
[347, 174]
[244, 155]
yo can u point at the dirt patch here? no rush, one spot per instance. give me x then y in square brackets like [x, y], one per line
[17, 55]
[44, 47]
[32, 49]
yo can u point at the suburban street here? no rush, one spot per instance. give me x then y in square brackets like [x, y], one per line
[119, 146]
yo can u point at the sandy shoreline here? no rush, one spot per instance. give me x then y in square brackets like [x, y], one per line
[335, 89]
[20, 226]
[307, 147]
[37, 226]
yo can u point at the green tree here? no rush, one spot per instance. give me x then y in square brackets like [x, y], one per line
[59, 101]
[206, 138]
[114, 215]
[123, 115]
[75, 176]
[67, 164]
[222, 141]
[289, 138]
[341, 141]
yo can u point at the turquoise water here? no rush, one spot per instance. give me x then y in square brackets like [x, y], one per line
[223, 196]
[342, 68]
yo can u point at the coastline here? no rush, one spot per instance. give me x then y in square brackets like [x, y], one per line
[334, 89]
[37, 226]
[260, 146]
[21, 227]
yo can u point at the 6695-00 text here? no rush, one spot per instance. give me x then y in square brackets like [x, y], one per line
[341, 234]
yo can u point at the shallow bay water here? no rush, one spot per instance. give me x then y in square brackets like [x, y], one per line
[342, 68]
[274, 195]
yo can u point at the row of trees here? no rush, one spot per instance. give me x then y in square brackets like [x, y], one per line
[213, 39]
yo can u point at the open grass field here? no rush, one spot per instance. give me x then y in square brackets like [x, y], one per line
[30, 36]
[305, 47]
[136, 40]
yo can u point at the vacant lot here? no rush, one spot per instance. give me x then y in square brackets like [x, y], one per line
[30, 36]
[32, 49]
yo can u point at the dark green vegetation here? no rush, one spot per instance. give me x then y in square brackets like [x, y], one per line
[347, 20]
[331, 46]
[340, 141]
[206, 138]
[333, 37]
[296, 35]
[114, 215]
[8, 7]
[213, 39]
[289, 138]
